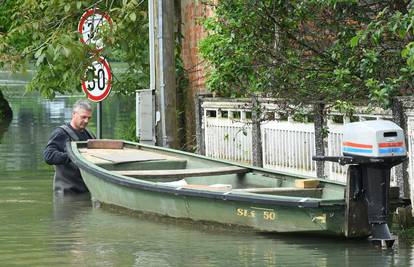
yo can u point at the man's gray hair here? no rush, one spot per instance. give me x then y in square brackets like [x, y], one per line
[82, 104]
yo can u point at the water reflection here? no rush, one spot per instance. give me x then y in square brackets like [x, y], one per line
[56, 110]
[4, 124]
[67, 208]
[115, 237]
[5, 114]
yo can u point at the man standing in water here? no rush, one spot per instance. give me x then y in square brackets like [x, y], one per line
[67, 177]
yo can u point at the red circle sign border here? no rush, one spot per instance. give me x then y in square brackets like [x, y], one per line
[108, 86]
[86, 15]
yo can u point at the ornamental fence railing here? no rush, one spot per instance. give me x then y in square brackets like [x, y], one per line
[287, 144]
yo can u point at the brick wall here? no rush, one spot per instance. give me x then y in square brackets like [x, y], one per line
[192, 32]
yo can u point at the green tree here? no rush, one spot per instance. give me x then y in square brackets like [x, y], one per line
[311, 50]
[44, 33]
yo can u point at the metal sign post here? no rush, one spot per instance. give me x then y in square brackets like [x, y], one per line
[98, 86]
[99, 120]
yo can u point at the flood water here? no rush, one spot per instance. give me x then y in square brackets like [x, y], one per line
[38, 230]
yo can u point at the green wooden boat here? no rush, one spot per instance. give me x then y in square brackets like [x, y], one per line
[178, 184]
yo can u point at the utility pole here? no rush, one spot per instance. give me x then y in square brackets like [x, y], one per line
[165, 87]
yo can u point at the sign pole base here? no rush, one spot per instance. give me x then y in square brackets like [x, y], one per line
[99, 121]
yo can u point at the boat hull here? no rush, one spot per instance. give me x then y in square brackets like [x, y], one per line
[259, 213]
[260, 217]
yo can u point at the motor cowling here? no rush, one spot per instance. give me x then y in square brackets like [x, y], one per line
[374, 139]
[371, 148]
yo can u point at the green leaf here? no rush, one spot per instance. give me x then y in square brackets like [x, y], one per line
[67, 7]
[40, 59]
[404, 70]
[66, 51]
[90, 74]
[144, 14]
[133, 16]
[404, 52]
[354, 41]
[38, 52]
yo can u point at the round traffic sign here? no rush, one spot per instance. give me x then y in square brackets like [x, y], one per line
[98, 88]
[90, 25]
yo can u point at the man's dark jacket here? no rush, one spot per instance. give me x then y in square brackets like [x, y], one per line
[67, 177]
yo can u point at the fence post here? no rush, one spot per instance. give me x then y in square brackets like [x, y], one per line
[257, 154]
[400, 118]
[200, 135]
[320, 133]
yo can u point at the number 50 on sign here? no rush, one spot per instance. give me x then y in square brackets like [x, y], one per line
[99, 87]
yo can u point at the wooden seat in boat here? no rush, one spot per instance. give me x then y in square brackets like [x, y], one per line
[123, 155]
[215, 187]
[104, 144]
[286, 191]
[275, 189]
[115, 154]
[183, 173]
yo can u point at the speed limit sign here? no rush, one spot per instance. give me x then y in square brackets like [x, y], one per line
[98, 88]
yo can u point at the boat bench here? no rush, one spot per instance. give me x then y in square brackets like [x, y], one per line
[111, 155]
[285, 191]
[104, 144]
[183, 173]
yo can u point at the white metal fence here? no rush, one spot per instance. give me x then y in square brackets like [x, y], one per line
[228, 140]
[289, 147]
[286, 145]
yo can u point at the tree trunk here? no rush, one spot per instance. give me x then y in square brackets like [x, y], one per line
[320, 127]
[257, 153]
[401, 170]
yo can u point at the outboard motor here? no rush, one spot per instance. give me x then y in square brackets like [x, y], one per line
[372, 148]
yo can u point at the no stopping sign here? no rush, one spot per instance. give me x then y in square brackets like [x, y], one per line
[90, 25]
[98, 88]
